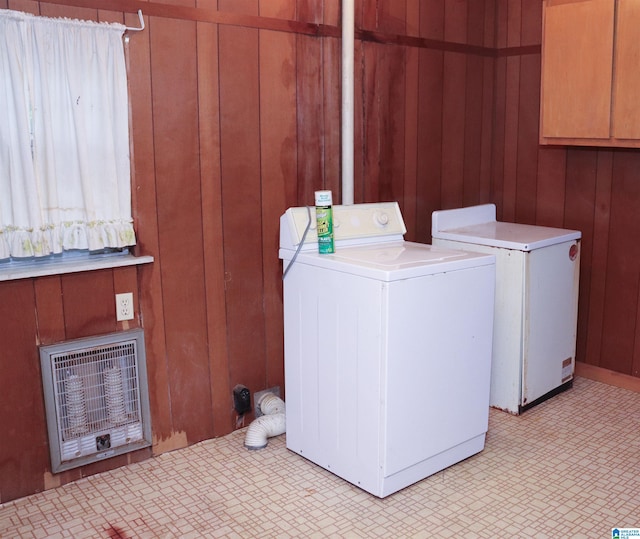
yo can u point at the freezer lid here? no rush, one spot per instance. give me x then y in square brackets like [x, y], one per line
[393, 260]
[477, 225]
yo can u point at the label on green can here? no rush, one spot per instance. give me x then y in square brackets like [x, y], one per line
[324, 221]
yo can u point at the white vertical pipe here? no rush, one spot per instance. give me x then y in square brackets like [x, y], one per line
[348, 26]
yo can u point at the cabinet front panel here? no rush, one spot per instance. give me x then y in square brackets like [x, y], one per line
[626, 118]
[577, 68]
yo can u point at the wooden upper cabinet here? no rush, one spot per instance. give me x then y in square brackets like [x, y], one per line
[626, 82]
[590, 73]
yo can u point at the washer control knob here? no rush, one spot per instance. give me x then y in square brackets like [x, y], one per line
[381, 218]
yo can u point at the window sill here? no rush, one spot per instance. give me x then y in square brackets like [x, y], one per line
[59, 267]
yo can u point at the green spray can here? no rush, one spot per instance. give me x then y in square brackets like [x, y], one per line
[324, 221]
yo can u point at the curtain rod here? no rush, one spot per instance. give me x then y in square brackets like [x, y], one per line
[132, 29]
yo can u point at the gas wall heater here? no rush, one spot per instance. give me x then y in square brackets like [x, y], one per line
[96, 398]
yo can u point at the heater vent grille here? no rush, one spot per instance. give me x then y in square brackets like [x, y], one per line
[96, 398]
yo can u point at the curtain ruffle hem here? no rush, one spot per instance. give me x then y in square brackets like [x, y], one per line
[94, 236]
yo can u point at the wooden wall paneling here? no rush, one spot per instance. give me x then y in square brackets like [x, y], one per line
[89, 303]
[551, 186]
[49, 310]
[486, 179]
[490, 9]
[514, 22]
[429, 141]
[70, 12]
[249, 7]
[332, 114]
[310, 11]
[474, 106]
[500, 42]
[476, 22]
[310, 118]
[527, 24]
[500, 111]
[432, 19]
[372, 122]
[212, 227]
[502, 16]
[411, 75]
[383, 105]
[473, 130]
[455, 21]
[411, 99]
[332, 12]
[454, 107]
[621, 302]
[180, 225]
[144, 209]
[384, 122]
[28, 6]
[453, 129]
[527, 142]
[24, 450]
[551, 162]
[367, 15]
[531, 23]
[413, 18]
[392, 107]
[512, 25]
[242, 204]
[598, 259]
[510, 156]
[281, 9]
[624, 235]
[581, 188]
[279, 177]
[111, 16]
[392, 16]
[499, 134]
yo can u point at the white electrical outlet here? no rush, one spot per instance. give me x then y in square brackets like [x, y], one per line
[124, 306]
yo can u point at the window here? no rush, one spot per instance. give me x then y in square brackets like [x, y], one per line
[64, 139]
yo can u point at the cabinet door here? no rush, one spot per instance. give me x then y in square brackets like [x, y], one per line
[577, 57]
[626, 116]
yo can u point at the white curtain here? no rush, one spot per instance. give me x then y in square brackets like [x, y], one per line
[64, 136]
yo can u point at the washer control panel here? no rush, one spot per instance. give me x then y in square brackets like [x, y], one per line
[354, 222]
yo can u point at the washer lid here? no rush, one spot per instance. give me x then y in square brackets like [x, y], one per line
[508, 235]
[392, 261]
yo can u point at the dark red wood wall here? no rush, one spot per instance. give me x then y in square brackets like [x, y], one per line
[235, 117]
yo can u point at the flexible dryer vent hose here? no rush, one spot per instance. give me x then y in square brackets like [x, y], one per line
[272, 423]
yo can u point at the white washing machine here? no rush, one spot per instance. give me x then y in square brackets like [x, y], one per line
[387, 348]
[537, 273]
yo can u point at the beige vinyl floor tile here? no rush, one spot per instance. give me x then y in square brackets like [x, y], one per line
[570, 467]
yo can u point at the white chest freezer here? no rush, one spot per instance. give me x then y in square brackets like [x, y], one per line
[387, 349]
[536, 304]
